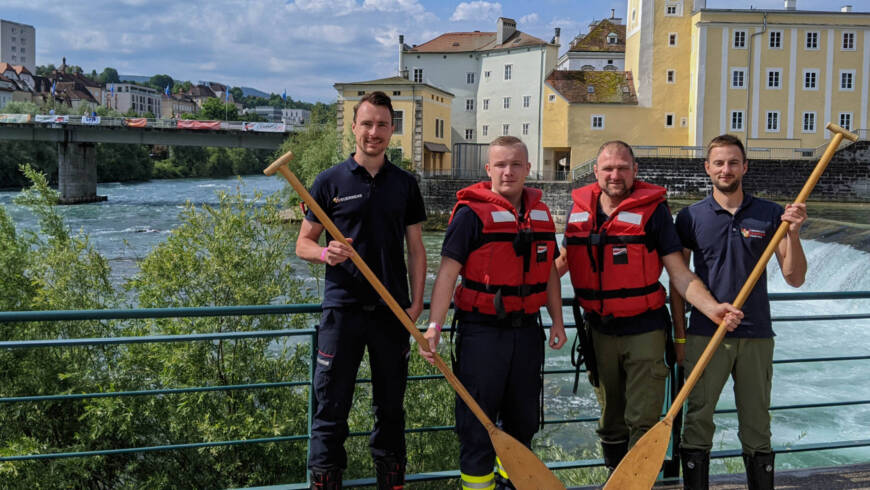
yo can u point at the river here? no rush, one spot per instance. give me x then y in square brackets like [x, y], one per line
[138, 216]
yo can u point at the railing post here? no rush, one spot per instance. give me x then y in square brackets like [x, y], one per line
[311, 401]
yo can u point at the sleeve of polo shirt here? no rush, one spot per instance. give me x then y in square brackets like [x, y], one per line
[684, 229]
[318, 191]
[416, 210]
[661, 227]
[462, 236]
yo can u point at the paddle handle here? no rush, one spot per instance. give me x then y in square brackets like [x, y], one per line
[280, 166]
[743, 295]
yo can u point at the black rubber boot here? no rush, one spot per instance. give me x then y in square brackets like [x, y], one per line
[325, 479]
[696, 469]
[391, 474]
[759, 471]
[502, 483]
[613, 453]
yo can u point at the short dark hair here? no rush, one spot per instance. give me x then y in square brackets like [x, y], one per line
[618, 144]
[376, 98]
[510, 141]
[726, 140]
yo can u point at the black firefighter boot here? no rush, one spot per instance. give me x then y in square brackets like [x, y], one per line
[759, 471]
[325, 479]
[613, 453]
[391, 474]
[696, 469]
[502, 483]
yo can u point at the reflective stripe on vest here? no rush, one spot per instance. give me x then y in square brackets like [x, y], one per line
[485, 482]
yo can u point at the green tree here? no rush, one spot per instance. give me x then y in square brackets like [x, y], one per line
[237, 94]
[109, 75]
[160, 82]
[44, 70]
[323, 113]
[215, 109]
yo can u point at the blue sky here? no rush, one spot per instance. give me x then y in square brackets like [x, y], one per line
[303, 46]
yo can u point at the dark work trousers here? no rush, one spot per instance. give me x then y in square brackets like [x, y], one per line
[501, 368]
[342, 335]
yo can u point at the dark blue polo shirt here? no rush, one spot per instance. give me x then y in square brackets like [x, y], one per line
[725, 249]
[374, 212]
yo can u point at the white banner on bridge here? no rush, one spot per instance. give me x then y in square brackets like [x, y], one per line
[265, 127]
[51, 118]
[93, 120]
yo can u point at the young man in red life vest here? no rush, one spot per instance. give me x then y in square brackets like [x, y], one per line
[619, 235]
[501, 240]
[728, 232]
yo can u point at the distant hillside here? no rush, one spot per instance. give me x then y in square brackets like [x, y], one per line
[246, 91]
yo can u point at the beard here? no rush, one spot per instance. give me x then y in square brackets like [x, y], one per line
[727, 188]
[616, 193]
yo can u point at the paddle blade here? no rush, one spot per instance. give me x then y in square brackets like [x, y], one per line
[640, 467]
[525, 470]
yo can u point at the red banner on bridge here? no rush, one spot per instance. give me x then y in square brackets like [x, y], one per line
[135, 122]
[191, 124]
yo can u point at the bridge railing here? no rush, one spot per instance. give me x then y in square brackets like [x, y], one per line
[671, 467]
[56, 121]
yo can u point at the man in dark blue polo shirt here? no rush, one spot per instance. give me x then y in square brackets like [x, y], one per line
[728, 232]
[379, 208]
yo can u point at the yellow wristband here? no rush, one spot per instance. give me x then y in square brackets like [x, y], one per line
[680, 341]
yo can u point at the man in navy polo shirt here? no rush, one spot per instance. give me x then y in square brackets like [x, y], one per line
[378, 207]
[728, 232]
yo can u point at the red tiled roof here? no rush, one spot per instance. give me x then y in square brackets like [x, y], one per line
[18, 69]
[596, 38]
[608, 87]
[459, 42]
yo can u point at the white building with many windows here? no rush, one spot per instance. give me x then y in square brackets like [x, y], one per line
[497, 79]
[18, 44]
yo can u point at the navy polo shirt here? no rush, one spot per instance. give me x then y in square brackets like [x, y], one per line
[660, 229]
[725, 249]
[374, 212]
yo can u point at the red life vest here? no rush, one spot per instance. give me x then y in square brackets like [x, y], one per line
[613, 271]
[509, 272]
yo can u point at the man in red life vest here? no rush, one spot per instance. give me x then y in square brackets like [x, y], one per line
[501, 240]
[619, 235]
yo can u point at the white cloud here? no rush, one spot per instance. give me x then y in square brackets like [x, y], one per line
[412, 7]
[567, 25]
[389, 38]
[476, 11]
[338, 7]
[532, 18]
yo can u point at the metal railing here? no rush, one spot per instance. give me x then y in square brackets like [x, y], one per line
[671, 467]
[159, 123]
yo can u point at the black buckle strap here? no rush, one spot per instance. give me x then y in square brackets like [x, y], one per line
[596, 239]
[593, 294]
[521, 291]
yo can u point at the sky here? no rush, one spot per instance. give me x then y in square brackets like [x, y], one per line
[301, 46]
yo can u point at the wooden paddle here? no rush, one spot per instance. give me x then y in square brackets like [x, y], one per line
[526, 471]
[640, 467]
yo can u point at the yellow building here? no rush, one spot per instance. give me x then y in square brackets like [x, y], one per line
[772, 77]
[421, 122]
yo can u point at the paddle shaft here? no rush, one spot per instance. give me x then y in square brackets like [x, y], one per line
[743, 295]
[280, 165]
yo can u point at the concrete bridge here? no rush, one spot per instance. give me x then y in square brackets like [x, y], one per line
[76, 137]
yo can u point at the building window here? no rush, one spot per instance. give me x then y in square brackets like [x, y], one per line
[672, 39]
[439, 128]
[469, 134]
[671, 10]
[772, 121]
[809, 122]
[506, 102]
[810, 79]
[484, 130]
[849, 41]
[398, 122]
[738, 78]
[507, 71]
[469, 77]
[846, 120]
[740, 39]
[847, 80]
[397, 93]
[418, 75]
[671, 76]
[773, 78]
[505, 129]
[469, 104]
[486, 75]
[597, 121]
[812, 40]
[736, 120]
[527, 100]
[525, 128]
[612, 38]
[669, 120]
[775, 40]
[551, 98]
[486, 104]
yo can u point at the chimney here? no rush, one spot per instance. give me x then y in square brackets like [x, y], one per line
[504, 29]
[556, 39]
[612, 13]
[403, 72]
[790, 4]
[846, 8]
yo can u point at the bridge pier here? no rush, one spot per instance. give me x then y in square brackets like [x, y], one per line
[77, 173]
